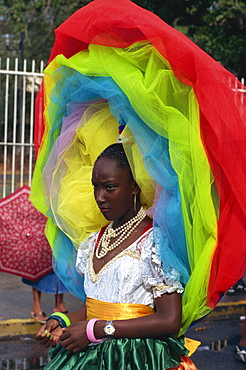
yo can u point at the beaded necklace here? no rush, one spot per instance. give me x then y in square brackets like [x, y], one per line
[121, 233]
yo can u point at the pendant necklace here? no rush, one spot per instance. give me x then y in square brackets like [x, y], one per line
[121, 233]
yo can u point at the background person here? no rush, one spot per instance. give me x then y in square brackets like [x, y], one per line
[240, 350]
[50, 284]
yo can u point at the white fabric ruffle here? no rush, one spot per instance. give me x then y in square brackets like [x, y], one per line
[140, 281]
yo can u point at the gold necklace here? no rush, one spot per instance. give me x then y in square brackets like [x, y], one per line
[121, 233]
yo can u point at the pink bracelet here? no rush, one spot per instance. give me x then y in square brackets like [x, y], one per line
[90, 331]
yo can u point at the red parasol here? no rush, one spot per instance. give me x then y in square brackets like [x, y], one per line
[24, 249]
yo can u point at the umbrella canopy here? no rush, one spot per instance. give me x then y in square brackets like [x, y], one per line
[24, 249]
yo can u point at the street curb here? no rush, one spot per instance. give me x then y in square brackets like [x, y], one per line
[227, 310]
[17, 327]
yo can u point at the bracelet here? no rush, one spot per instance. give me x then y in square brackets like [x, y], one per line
[61, 318]
[90, 331]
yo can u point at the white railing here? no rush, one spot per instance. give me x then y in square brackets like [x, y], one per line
[18, 88]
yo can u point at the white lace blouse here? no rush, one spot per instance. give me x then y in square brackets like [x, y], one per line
[133, 276]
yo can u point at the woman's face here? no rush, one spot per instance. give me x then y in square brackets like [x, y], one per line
[114, 190]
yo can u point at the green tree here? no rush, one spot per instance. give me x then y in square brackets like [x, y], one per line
[218, 27]
[220, 30]
[31, 24]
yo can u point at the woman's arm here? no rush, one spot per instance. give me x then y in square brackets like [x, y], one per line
[164, 322]
[50, 333]
[77, 316]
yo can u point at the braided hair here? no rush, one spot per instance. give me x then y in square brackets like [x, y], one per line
[116, 152]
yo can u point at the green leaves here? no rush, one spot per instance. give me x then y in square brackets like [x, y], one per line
[221, 33]
[218, 27]
[37, 19]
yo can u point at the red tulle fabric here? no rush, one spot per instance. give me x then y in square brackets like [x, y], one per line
[120, 23]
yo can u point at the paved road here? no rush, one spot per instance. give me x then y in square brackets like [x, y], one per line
[218, 342]
[16, 299]
[26, 353]
[23, 352]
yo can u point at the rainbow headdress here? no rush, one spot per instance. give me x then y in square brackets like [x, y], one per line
[117, 66]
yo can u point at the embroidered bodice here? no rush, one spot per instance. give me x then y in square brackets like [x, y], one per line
[135, 275]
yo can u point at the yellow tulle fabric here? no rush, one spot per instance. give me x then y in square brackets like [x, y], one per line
[170, 110]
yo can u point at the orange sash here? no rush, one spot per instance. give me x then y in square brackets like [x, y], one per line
[115, 311]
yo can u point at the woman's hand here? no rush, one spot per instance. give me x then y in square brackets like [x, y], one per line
[49, 334]
[74, 337]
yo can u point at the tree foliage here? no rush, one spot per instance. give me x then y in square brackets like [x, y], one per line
[33, 22]
[218, 27]
[220, 30]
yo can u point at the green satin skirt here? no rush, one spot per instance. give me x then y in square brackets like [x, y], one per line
[120, 354]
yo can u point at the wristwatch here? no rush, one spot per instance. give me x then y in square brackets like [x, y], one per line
[109, 329]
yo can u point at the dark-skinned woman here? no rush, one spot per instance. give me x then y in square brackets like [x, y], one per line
[131, 313]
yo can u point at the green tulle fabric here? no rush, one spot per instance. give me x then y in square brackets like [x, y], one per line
[156, 107]
[121, 354]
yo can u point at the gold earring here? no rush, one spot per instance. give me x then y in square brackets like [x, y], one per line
[135, 203]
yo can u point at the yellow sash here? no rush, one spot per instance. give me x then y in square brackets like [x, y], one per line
[124, 311]
[115, 311]
[191, 345]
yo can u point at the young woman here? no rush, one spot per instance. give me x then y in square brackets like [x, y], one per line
[131, 312]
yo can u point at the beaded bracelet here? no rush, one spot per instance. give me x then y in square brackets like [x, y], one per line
[90, 331]
[61, 318]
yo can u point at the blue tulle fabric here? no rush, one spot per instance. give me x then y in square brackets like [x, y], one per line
[71, 96]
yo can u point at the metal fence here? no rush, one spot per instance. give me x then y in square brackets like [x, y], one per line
[24, 363]
[19, 83]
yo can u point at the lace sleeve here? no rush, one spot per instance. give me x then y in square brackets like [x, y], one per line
[85, 247]
[152, 271]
